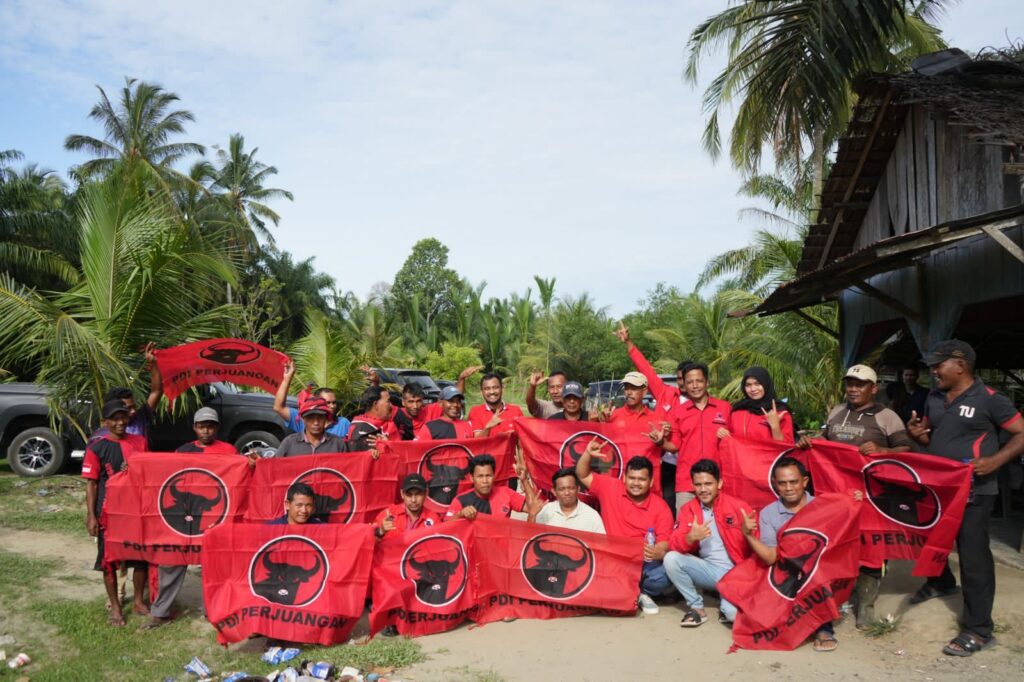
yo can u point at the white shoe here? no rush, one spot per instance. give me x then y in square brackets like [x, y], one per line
[647, 605]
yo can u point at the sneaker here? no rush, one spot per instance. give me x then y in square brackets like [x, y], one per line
[647, 605]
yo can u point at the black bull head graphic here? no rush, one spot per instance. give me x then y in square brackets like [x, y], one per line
[597, 464]
[432, 583]
[906, 502]
[283, 581]
[229, 353]
[553, 568]
[790, 573]
[185, 515]
[444, 479]
[325, 505]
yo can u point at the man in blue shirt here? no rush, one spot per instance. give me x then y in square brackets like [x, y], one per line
[299, 505]
[290, 415]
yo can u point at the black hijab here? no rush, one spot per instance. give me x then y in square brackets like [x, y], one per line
[764, 404]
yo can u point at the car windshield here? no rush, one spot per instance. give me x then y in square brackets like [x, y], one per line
[424, 380]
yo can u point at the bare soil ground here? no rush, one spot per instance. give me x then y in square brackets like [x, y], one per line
[653, 647]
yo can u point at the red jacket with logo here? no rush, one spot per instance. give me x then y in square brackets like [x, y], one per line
[699, 431]
[728, 521]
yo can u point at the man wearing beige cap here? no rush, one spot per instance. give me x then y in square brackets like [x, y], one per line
[637, 416]
[872, 428]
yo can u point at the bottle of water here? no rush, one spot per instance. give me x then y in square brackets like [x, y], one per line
[650, 539]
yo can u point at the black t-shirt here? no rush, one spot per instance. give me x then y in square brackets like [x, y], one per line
[968, 427]
[109, 457]
[441, 429]
[561, 415]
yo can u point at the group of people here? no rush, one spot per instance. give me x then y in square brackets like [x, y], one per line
[694, 532]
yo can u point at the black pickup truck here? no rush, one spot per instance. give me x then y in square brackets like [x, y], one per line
[34, 449]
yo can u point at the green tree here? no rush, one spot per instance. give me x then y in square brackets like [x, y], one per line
[138, 136]
[425, 276]
[451, 360]
[302, 289]
[323, 356]
[239, 182]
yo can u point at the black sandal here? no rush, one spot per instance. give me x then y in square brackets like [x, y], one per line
[967, 644]
[692, 619]
[931, 592]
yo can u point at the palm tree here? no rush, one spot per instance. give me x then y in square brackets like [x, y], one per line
[143, 277]
[322, 355]
[546, 289]
[239, 179]
[138, 134]
[792, 63]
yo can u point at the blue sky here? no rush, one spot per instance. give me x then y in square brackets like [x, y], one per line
[556, 139]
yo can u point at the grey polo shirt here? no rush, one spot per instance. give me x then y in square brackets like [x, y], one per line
[712, 548]
[968, 427]
[296, 444]
[775, 516]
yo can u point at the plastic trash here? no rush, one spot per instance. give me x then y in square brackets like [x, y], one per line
[18, 661]
[198, 668]
[322, 670]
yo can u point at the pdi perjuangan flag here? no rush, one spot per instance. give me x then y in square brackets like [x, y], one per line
[818, 560]
[233, 360]
[348, 487]
[444, 464]
[746, 467]
[535, 571]
[160, 509]
[425, 580]
[299, 583]
[549, 445]
[914, 502]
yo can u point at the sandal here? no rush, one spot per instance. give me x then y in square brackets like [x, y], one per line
[724, 621]
[825, 643]
[116, 621]
[154, 622]
[692, 619]
[928, 591]
[967, 644]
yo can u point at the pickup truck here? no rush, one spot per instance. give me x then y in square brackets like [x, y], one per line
[35, 449]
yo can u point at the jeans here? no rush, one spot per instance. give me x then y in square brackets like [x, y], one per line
[653, 580]
[691, 574]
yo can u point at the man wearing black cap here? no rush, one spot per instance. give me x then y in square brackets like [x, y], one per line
[961, 421]
[572, 403]
[105, 457]
[450, 424]
[314, 439]
[409, 514]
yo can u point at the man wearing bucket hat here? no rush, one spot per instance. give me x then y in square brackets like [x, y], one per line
[313, 439]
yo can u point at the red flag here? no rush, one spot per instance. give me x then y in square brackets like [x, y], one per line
[549, 445]
[444, 464]
[535, 571]
[915, 502]
[234, 360]
[818, 560]
[348, 487]
[424, 580]
[747, 468]
[160, 509]
[299, 583]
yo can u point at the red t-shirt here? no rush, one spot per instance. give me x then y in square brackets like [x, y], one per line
[628, 519]
[752, 426]
[445, 429]
[501, 502]
[643, 421]
[387, 427]
[481, 414]
[699, 431]
[402, 519]
[217, 447]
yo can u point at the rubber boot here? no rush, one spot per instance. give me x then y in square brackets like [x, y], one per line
[867, 593]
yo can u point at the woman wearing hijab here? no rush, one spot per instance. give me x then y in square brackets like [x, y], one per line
[759, 415]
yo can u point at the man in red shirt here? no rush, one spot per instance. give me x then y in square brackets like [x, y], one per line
[413, 414]
[634, 414]
[697, 421]
[493, 407]
[375, 420]
[205, 424]
[450, 424]
[484, 498]
[631, 510]
[105, 457]
[409, 514]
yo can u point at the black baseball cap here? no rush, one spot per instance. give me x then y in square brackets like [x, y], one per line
[572, 388]
[112, 407]
[953, 349]
[413, 482]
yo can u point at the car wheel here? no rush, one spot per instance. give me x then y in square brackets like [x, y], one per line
[260, 440]
[37, 452]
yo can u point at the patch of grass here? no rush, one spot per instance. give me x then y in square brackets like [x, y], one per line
[883, 626]
[20, 573]
[22, 505]
[1001, 627]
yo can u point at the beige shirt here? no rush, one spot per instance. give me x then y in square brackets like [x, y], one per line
[582, 518]
[545, 409]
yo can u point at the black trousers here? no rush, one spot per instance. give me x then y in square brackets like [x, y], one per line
[977, 568]
[668, 485]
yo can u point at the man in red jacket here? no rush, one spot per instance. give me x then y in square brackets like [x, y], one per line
[707, 542]
[697, 421]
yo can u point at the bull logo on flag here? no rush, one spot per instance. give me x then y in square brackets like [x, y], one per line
[799, 552]
[231, 352]
[290, 570]
[609, 463]
[895, 490]
[333, 494]
[437, 564]
[192, 501]
[557, 566]
[443, 468]
[788, 452]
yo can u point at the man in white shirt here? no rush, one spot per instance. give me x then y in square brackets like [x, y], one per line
[567, 511]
